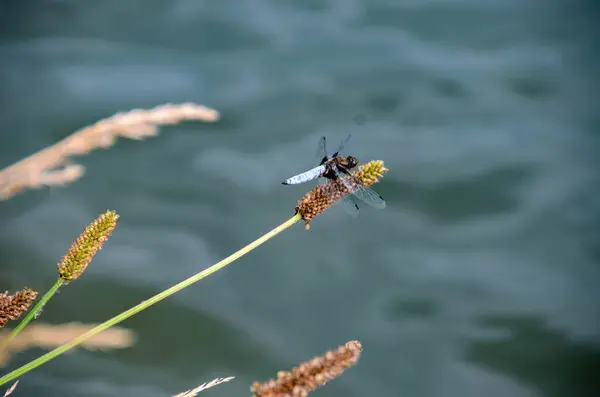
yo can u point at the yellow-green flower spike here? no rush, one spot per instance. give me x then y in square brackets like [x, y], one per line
[79, 256]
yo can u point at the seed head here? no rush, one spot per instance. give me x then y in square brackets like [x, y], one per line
[81, 252]
[326, 194]
[13, 306]
[311, 374]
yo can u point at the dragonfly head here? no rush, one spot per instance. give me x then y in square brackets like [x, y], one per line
[351, 162]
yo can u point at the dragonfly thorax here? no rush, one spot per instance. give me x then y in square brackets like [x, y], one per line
[347, 162]
[337, 165]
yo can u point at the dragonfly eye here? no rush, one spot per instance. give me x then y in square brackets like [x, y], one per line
[352, 161]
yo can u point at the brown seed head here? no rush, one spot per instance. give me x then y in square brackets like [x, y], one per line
[326, 194]
[311, 374]
[86, 246]
[13, 306]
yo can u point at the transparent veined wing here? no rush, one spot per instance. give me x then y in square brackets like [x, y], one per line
[350, 206]
[305, 176]
[322, 154]
[344, 142]
[363, 192]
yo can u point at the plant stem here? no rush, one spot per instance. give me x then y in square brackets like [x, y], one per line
[32, 313]
[147, 303]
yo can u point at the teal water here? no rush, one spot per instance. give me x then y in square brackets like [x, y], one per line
[480, 277]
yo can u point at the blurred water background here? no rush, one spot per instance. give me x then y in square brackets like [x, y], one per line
[480, 278]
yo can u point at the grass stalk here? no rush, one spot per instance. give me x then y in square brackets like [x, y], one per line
[147, 303]
[32, 313]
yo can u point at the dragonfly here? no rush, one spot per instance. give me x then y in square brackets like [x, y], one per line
[336, 167]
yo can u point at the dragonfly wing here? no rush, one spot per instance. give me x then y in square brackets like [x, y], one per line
[322, 155]
[363, 192]
[341, 145]
[305, 176]
[350, 206]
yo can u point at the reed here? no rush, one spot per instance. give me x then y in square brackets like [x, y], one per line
[72, 266]
[34, 171]
[147, 303]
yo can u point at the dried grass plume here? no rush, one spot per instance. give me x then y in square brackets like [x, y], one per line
[48, 336]
[11, 389]
[49, 167]
[204, 386]
[311, 374]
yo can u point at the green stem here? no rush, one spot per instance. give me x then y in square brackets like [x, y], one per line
[32, 313]
[145, 304]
